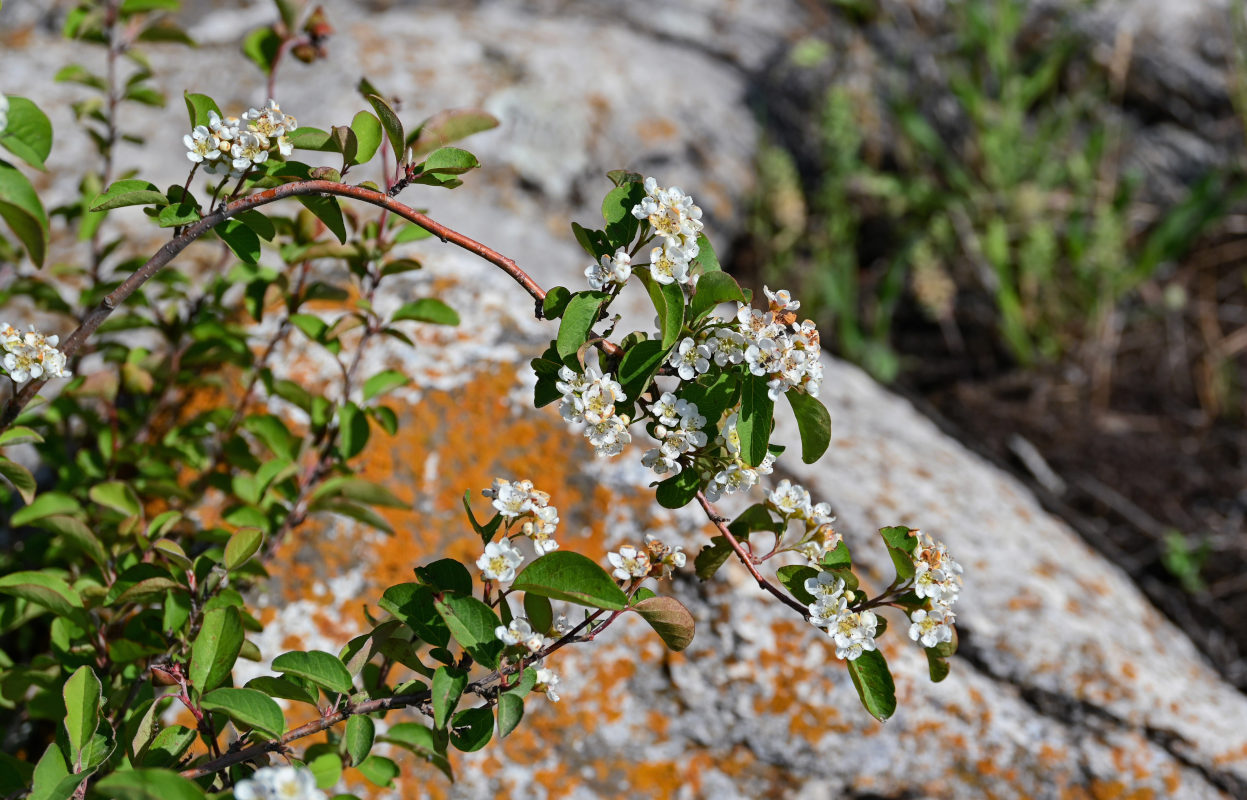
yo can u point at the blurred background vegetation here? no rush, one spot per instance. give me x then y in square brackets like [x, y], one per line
[978, 239]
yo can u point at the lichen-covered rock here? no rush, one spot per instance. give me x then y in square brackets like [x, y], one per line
[1068, 684]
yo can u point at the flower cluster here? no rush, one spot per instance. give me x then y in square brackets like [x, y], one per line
[852, 631]
[937, 577]
[520, 632]
[590, 398]
[31, 355]
[610, 270]
[279, 783]
[779, 347]
[658, 559]
[679, 431]
[519, 502]
[547, 679]
[664, 557]
[677, 221]
[736, 476]
[629, 563]
[792, 502]
[229, 145]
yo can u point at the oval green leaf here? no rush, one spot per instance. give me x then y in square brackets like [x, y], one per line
[149, 784]
[216, 648]
[82, 710]
[510, 712]
[448, 686]
[757, 411]
[248, 707]
[427, 309]
[578, 319]
[813, 422]
[242, 546]
[368, 133]
[565, 575]
[472, 623]
[21, 209]
[28, 134]
[472, 728]
[358, 738]
[874, 685]
[319, 667]
[670, 620]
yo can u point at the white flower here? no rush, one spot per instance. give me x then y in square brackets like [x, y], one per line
[610, 270]
[4, 112]
[546, 681]
[499, 561]
[937, 575]
[540, 529]
[735, 478]
[669, 263]
[790, 499]
[201, 145]
[269, 121]
[671, 212]
[629, 563]
[854, 634]
[511, 499]
[931, 627]
[520, 632]
[728, 346]
[609, 437]
[660, 462]
[250, 150]
[670, 558]
[279, 783]
[824, 585]
[781, 300]
[31, 355]
[664, 409]
[690, 359]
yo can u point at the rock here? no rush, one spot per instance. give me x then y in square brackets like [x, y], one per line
[1068, 684]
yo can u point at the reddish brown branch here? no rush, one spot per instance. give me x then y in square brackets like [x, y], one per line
[92, 321]
[747, 559]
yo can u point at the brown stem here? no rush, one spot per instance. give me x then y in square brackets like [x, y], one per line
[747, 559]
[173, 247]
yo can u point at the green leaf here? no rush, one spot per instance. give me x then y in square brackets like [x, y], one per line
[446, 575]
[472, 623]
[327, 211]
[446, 127]
[21, 209]
[44, 589]
[389, 121]
[639, 365]
[472, 728]
[937, 666]
[78, 534]
[168, 746]
[668, 300]
[873, 683]
[578, 320]
[20, 477]
[757, 410]
[118, 496]
[450, 161]
[411, 233]
[363, 491]
[28, 134]
[706, 258]
[570, 576]
[755, 518]
[555, 302]
[326, 766]
[129, 192]
[198, 106]
[839, 557]
[487, 530]
[793, 578]
[679, 490]
[901, 545]
[241, 239]
[353, 430]
[262, 46]
[379, 770]
[216, 647]
[358, 737]
[711, 557]
[539, 612]
[420, 740]
[448, 686]
[242, 546]
[617, 206]
[510, 712]
[621, 176]
[813, 422]
[670, 620]
[19, 434]
[713, 396]
[82, 711]
[285, 688]
[149, 784]
[383, 382]
[249, 707]
[308, 138]
[713, 289]
[413, 604]
[593, 242]
[427, 309]
[368, 133]
[260, 224]
[319, 667]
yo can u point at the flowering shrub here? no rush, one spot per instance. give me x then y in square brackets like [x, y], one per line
[122, 600]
